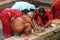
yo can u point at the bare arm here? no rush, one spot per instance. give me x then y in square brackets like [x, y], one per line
[48, 23]
[33, 26]
[30, 21]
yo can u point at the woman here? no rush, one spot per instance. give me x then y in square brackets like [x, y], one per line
[24, 24]
[6, 16]
[55, 9]
[43, 17]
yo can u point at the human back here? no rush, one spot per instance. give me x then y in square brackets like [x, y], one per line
[21, 24]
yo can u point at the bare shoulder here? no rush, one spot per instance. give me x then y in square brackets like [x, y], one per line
[26, 18]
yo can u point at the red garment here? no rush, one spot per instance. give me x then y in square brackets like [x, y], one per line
[1, 0]
[55, 9]
[5, 18]
[47, 17]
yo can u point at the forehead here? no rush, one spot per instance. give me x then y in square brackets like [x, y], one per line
[30, 13]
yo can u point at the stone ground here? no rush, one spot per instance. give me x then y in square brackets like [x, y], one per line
[52, 33]
[1, 34]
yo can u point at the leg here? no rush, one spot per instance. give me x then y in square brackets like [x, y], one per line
[18, 29]
[27, 28]
[17, 25]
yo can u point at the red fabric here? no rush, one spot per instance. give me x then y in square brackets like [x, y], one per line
[47, 17]
[5, 18]
[55, 9]
[1, 0]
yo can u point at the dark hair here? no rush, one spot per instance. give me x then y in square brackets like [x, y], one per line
[41, 10]
[25, 11]
[32, 10]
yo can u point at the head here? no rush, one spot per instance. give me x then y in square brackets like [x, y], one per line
[30, 14]
[25, 11]
[41, 11]
[32, 10]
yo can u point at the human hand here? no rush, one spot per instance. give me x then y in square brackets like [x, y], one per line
[36, 28]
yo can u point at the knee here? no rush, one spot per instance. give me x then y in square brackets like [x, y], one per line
[18, 29]
[27, 24]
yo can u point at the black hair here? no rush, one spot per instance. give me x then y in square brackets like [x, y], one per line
[32, 10]
[41, 10]
[25, 11]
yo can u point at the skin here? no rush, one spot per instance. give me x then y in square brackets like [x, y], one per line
[23, 24]
[48, 23]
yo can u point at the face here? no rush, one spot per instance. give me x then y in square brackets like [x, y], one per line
[30, 14]
[41, 14]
